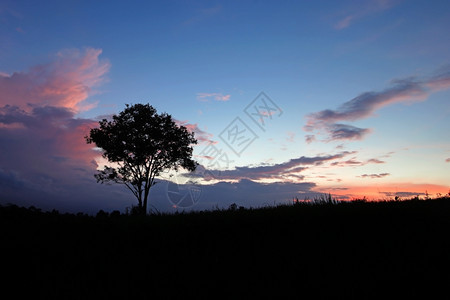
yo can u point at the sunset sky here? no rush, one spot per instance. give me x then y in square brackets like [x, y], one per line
[287, 98]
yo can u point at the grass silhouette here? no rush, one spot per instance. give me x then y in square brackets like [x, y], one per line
[231, 253]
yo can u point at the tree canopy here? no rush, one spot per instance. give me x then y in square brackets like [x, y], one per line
[140, 144]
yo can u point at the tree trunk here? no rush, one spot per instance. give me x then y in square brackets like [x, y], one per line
[146, 192]
[140, 202]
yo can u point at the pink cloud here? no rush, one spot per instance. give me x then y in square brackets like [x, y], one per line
[200, 135]
[441, 81]
[43, 150]
[291, 136]
[362, 11]
[205, 157]
[67, 81]
[215, 96]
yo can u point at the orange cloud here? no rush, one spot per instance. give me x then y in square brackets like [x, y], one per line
[65, 82]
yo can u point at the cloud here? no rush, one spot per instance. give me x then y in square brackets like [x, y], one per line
[374, 175]
[344, 23]
[46, 135]
[10, 179]
[291, 136]
[212, 96]
[363, 106]
[403, 194]
[244, 192]
[359, 12]
[287, 171]
[205, 157]
[350, 162]
[441, 81]
[309, 138]
[346, 132]
[44, 159]
[447, 160]
[354, 162]
[45, 162]
[375, 161]
[252, 194]
[200, 135]
[67, 81]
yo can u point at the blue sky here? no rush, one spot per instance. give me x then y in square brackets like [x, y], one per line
[370, 78]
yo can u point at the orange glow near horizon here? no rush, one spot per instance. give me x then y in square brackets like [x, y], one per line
[386, 191]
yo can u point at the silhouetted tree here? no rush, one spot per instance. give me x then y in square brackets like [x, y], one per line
[141, 144]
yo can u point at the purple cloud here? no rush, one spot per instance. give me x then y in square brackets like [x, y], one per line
[346, 132]
[45, 162]
[402, 194]
[354, 162]
[375, 161]
[374, 175]
[309, 138]
[280, 171]
[364, 106]
[441, 81]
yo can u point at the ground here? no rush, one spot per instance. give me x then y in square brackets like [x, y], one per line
[235, 253]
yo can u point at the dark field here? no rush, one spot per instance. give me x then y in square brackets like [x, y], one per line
[268, 252]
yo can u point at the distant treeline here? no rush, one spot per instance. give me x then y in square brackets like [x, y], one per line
[320, 199]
